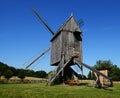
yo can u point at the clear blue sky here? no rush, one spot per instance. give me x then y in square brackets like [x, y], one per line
[22, 36]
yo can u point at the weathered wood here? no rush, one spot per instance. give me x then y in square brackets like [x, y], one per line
[57, 72]
[103, 80]
[67, 42]
[56, 50]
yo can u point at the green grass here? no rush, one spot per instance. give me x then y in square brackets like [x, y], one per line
[40, 90]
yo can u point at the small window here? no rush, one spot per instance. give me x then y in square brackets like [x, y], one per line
[78, 35]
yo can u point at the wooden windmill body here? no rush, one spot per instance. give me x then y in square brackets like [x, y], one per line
[66, 48]
[67, 42]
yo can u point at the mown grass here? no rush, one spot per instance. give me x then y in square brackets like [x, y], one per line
[40, 90]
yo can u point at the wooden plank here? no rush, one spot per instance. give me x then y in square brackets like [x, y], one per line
[56, 50]
[58, 72]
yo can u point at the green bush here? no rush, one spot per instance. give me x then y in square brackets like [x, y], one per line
[57, 80]
[2, 82]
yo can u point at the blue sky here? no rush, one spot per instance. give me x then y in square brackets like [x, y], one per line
[22, 36]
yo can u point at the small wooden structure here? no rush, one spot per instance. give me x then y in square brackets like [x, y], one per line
[103, 81]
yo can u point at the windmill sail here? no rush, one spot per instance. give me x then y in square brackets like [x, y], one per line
[43, 53]
[42, 20]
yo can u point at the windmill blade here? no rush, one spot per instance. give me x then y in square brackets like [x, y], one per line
[33, 61]
[80, 22]
[42, 20]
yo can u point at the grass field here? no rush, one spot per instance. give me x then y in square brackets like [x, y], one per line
[40, 90]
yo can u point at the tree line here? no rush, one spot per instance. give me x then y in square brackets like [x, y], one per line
[9, 71]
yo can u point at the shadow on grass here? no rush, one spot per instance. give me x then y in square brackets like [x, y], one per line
[107, 88]
[83, 84]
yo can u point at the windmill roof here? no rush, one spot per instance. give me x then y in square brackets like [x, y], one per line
[69, 25]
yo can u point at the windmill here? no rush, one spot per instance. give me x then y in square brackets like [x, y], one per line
[66, 50]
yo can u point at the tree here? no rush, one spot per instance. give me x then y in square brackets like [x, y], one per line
[3, 68]
[81, 77]
[90, 75]
[103, 64]
[13, 70]
[115, 73]
[10, 71]
[113, 70]
[41, 74]
[0, 75]
[21, 74]
[29, 73]
[8, 74]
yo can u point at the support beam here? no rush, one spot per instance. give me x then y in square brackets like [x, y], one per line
[58, 72]
[42, 20]
[33, 61]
